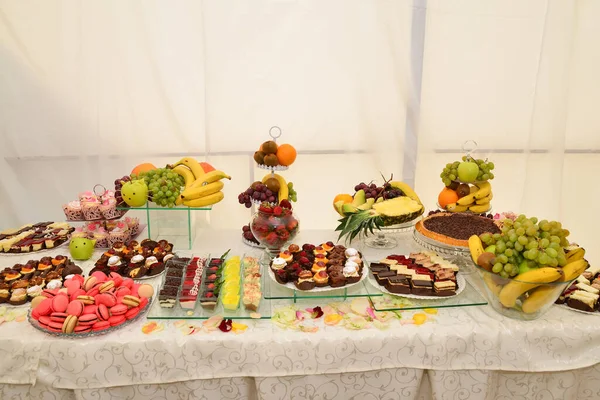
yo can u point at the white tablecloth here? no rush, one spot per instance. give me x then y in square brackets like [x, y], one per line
[466, 353]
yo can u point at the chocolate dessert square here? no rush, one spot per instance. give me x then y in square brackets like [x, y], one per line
[398, 284]
[378, 268]
[582, 305]
[382, 277]
[444, 288]
[337, 279]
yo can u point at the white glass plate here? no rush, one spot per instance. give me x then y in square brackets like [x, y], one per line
[291, 286]
[39, 251]
[460, 283]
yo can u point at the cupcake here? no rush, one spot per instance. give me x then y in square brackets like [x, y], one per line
[108, 208]
[119, 234]
[321, 279]
[73, 211]
[101, 238]
[278, 263]
[134, 226]
[350, 272]
[79, 232]
[305, 281]
[90, 206]
[4, 292]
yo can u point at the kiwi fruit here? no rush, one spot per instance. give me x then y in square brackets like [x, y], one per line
[269, 147]
[272, 184]
[255, 185]
[462, 190]
[486, 261]
[453, 185]
[259, 157]
[271, 160]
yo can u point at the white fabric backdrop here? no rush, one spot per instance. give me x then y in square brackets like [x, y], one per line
[90, 88]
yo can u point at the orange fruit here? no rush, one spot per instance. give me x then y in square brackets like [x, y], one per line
[286, 154]
[447, 196]
[206, 167]
[145, 167]
[346, 198]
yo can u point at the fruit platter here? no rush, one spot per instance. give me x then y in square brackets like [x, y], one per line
[375, 207]
[422, 275]
[23, 283]
[136, 260]
[527, 265]
[466, 186]
[319, 268]
[33, 238]
[91, 306]
[583, 293]
[200, 287]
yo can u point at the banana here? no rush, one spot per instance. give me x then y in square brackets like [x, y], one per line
[484, 190]
[210, 177]
[485, 200]
[526, 281]
[493, 286]
[480, 209]
[187, 174]
[576, 254]
[201, 191]
[284, 192]
[205, 201]
[193, 165]
[407, 190]
[542, 295]
[178, 201]
[454, 207]
[475, 247]
[473, 189]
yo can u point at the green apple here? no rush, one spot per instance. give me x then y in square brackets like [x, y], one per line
[81, 248]
[135, 193]
[468, 171]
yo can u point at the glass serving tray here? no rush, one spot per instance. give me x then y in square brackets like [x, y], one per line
[37, 326]
[199, 312]
[468, 297]
[153, 206]
[438, 247]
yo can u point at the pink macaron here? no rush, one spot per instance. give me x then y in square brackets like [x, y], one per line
[100, 276]
[58, 317]
[89, 282]
[122, 291]
[72, 285]
[132, 312]
[134, 289]
[116, 320]
[75, 308]
[60, 303]
[35, 315]
[93, 291]
[143, 302]
[45, 307]
[100, 325]
[127, 282]
[82, 328]
[49, 293]
[44, 320]
[102, 312]
[108, 299]
[56, 325]
[90, 309]
[119, 309]
[116, 278]
[53, 329]
[79, 278]
[88, 319]
[79, 292]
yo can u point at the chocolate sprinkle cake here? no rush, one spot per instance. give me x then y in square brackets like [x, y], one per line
[461, 226]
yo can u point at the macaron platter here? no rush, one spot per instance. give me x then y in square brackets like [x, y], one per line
[90, 306]
[318, 268]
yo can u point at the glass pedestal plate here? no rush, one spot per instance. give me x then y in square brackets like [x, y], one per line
[381, 240]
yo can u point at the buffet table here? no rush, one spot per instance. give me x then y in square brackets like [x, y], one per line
[464, 353]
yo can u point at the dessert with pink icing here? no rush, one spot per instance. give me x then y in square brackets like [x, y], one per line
[73, 211]
[119, 234]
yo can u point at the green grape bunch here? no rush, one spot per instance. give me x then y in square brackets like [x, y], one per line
[450, 173]
[164, 186]
[525, 244]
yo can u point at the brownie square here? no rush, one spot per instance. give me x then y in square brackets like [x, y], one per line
[398, 284]
[382, 277]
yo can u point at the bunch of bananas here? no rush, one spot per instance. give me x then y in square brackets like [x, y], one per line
[286, 189]
[528, 286]
[478, 201]
[201, 188]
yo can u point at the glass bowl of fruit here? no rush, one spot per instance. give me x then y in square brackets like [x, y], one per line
[274, 226]
[525, 268]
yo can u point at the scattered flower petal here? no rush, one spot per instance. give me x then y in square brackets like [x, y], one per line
[419, 318]
[255, 315]
[310, 329]
[356, 322]
[299, 315]
[152, 327]
[407, 322]
[332, 319]
[328, 310]
[371, 313]
[179, 324]
[430, 310]
[309, 310]
[9, 317]
[316, 313]
[20, 318]
[225, 325]
[1, 320]
[344, 308]
[2, 310]
[384, 316]
[380, 325]
[238, 327]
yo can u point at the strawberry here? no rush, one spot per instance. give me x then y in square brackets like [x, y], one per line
[272, 238]
[280, 228]
[277, 210]
[292, 225]
[210, 286]
[303, 260]
[285, 204]
[266, 208]
[285, 235]
[209, 294]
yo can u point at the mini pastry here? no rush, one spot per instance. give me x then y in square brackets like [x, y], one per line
[444, 288]
[321, 257]
[4, 292]
[422, 285]
[149, 261]
[351, 273]
[319, 250]
[350, 252]
[305, 281]
[114, 263]
[54, 284]
[318, 267]
[18, 297]
[337, 279]
[293, 248]
[321, 279]
[156, 268]
[137, 272]
[59, 260]
[12, 275]
[286, 256]
[27, 271]
[278, 263]
[327, 246]
[281, 276]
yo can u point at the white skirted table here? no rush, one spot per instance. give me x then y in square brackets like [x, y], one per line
[466, 353]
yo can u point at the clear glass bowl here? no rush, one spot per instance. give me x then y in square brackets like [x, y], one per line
[274, 232]
[533, 298]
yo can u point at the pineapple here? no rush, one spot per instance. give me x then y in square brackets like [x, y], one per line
[386, 213]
